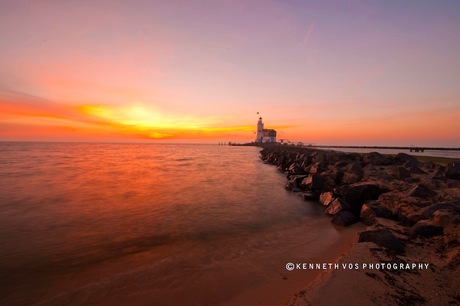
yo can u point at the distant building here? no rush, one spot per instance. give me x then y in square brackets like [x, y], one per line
[264, 135]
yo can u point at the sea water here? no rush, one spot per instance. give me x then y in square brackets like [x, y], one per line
[148, 224]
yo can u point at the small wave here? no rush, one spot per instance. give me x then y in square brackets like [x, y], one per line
[183, 159]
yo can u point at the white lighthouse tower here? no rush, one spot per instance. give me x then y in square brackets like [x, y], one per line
[264, 135]
[260, 130]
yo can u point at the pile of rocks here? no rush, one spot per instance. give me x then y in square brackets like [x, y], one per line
[424, 197]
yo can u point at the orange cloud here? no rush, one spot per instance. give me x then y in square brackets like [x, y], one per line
[25, 115]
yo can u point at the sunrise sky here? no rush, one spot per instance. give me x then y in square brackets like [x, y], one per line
[323, 72]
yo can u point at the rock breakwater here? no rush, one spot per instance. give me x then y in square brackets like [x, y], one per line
[360, 187]
[412, 210]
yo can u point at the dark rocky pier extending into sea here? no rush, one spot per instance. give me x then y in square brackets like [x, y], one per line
[412, 209]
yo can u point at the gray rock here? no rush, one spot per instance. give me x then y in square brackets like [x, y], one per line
[439, 175]
[453, 171]
[313, 182]
[368, 215]
[350, 178]
[362, 193]
[326, 198]
[422, 191]
[344, 218]
[424, 228]
[409, 218]
[384, 238]
[353, 156]
[381, 211]
[382, 175]
[400, 173]
[403, 158]
[336, 206]
[316, 168]
[310, 195]
[357, 195]
[318, 156]
[296, 169]
[355, 168]
[416, 170]
[452, 207]
[428, 165]
[329, 181]
[376, 158]
[341, 163]
[444, 218]
[293, 183]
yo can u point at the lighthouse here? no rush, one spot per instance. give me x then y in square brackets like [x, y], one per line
[260, 130]
[264, 135]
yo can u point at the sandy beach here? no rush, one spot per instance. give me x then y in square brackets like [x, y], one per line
[278, 291]
[437, 285]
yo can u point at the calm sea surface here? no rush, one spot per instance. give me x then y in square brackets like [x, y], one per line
[436, 153]
[148, 224]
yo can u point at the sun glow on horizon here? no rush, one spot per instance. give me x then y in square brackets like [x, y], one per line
[155, 124]
[135, 121]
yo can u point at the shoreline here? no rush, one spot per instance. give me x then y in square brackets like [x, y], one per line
[288, 283]
[411, 208]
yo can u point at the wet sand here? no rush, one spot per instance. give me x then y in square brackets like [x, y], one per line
[278, 291]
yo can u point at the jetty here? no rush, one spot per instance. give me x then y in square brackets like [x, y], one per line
[410, 148]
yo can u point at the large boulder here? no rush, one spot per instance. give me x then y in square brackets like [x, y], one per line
[336, 174]
[444, 217]
[375, 158]
[296, 169]
[425, 228]
[326, 198]
[317, 167]
[350, 178]
[357, 195]
[334, 157]
[383, 176]
[355, 169]
[399, 172]
[318, 156]
[344, 218]
[353, 157]
[416, 170]
[408, 216]
[341, 163]
[310, 195]
[450, 222]
[429, 165]
[336, 206]
[293, 183]
[439, 174]
[381, 210]
[358, 192]
[368, 215]
[313, 182]
[305, 162]
[453, 171]
[452, 207]
[384, 238]
[329, 181]
[422, 191]
[403, 158]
